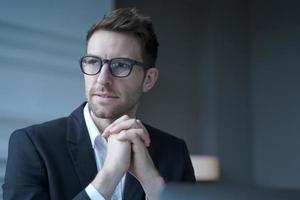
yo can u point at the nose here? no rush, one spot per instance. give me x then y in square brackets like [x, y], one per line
[104, 76]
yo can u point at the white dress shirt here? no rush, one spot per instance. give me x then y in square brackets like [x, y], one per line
[99, 145]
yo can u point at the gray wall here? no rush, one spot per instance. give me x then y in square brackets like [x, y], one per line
[40, 45]
[275, 71]
[229, 84]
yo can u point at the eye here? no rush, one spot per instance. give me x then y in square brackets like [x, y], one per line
[120, 65]
[90, 61]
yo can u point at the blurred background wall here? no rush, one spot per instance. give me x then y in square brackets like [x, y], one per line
[41, 42]
[229, 84]
[228, 76]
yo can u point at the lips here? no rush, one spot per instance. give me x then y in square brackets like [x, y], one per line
[106, 95]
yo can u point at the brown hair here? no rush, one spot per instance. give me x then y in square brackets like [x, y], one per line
[131, 21]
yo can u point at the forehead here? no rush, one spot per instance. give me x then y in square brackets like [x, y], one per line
[109, 44]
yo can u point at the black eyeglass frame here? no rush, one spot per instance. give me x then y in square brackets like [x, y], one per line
[132, 62]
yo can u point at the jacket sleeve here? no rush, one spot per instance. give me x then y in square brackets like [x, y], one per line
[26, 175]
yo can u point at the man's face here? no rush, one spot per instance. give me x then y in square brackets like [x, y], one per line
[108, 96]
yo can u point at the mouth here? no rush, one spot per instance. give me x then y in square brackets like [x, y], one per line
[106, 95]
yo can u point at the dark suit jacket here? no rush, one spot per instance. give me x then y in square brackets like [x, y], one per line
[55, 160]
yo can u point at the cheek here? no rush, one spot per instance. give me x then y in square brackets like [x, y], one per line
[133, 92]
[88, 85]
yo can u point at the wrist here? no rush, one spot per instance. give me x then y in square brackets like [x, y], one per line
[153, 186]
[105, 182]
[149, 175]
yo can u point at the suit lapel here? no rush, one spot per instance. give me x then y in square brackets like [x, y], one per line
[80, 148]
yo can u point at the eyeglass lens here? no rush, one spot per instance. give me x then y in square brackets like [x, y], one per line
[118, 67]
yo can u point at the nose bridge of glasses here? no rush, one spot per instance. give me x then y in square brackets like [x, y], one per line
[105, 61]
[104, 72]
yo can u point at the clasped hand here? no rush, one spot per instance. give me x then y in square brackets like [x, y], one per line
[128, 140]
[135, 159]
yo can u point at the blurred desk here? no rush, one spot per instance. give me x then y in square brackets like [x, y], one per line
[224, 191]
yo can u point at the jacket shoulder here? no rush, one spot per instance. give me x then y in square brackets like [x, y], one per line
[53, 129]
[160, 136]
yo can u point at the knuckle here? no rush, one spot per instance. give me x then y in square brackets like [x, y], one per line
[125, 116]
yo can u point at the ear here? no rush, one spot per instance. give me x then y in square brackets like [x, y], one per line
[150, 79]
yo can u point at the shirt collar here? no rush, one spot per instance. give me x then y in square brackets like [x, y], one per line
[91, 126]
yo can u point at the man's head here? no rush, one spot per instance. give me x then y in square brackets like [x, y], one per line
[119, 67]
[132, 22]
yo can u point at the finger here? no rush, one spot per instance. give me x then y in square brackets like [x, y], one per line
[133, 138]
[147, 136]
[120, 119]
[124, 125]
[132, 134]
[106, 131]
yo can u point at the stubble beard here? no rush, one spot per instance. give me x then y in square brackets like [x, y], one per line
[112, 113]
[129, 107]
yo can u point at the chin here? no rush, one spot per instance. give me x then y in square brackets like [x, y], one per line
[110, 112]
[104, 113]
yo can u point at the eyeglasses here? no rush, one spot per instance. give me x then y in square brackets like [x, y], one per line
[118, 67]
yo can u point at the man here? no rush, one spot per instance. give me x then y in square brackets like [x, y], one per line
[101, 151]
